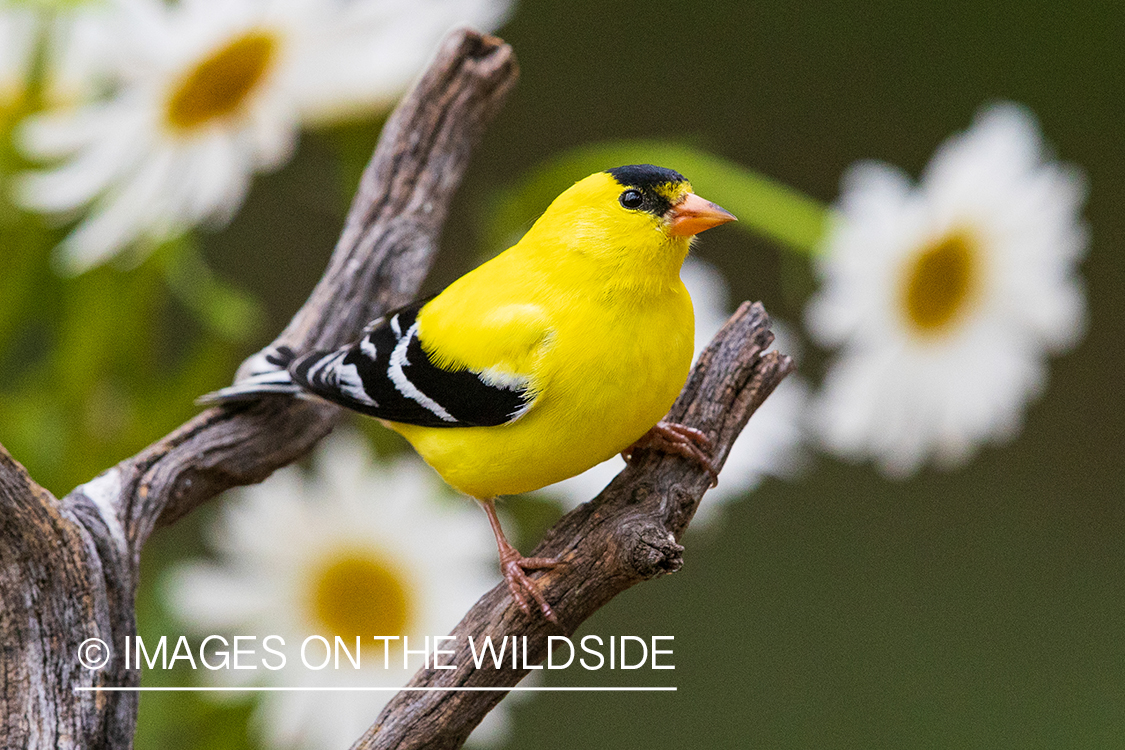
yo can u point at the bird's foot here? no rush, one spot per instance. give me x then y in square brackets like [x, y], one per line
[672, 437]
[513, 565]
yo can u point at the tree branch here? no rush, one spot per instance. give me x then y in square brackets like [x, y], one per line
[628, 534]
[54, 594]
[69, 568]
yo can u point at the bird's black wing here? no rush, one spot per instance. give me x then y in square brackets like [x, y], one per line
[387, 374]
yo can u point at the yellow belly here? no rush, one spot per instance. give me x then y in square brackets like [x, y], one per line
[608, 377]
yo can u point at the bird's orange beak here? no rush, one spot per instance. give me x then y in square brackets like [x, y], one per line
[693, 215]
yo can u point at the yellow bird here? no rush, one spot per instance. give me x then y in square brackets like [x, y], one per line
[560, 352]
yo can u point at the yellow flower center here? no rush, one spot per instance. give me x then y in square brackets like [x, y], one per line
[358, 593]
[218, 85]
[939, 283]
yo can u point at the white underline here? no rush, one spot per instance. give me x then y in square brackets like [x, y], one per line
[285, 689]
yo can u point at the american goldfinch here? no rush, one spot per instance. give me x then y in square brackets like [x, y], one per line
[555, 355]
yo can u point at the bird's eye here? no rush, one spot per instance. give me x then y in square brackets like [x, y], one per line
[632, 199]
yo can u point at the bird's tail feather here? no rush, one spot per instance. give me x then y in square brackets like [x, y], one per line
[266, 374]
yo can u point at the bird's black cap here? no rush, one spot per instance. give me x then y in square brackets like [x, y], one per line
[643, 176]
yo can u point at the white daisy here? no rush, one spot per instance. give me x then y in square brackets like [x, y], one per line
[768, 446]
[357, 548]
[946, 296]
[18, 29]
[209, 93]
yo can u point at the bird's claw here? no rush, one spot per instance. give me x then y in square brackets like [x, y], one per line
[513, 565]
[672, 437]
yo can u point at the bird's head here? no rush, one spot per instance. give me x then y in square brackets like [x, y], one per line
[655, 197]
[639, 218]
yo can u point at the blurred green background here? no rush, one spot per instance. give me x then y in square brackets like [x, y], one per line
[978, 609]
